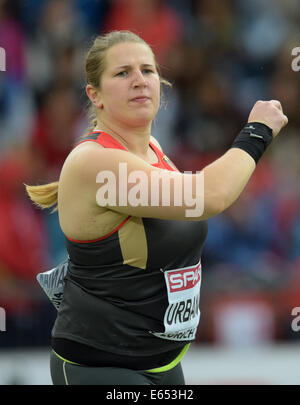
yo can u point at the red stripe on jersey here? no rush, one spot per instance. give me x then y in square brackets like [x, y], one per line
[102, 237]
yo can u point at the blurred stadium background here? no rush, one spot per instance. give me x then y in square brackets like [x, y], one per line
[221, 57]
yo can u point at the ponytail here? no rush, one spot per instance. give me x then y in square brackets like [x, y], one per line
[45, 195]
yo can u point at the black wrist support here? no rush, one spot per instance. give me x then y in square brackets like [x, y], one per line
[254, 139]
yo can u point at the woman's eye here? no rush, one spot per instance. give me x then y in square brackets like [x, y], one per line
[122, 74]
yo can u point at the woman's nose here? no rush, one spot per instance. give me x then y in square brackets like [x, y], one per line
[139, 78]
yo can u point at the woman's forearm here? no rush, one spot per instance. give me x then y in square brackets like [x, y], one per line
[225, 179]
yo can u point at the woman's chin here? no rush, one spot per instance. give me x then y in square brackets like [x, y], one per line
[141, 120]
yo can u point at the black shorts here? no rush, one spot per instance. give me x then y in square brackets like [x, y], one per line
[66, 373]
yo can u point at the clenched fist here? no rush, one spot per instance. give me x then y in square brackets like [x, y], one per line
[269, 113]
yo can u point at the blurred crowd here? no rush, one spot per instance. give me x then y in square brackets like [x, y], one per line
[221, 57]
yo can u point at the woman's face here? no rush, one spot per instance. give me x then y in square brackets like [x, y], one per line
[130, 86]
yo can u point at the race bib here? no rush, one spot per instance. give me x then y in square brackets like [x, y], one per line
[52, 282]
[182, 316]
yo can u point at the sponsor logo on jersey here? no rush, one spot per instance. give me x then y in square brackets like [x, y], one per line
[182, 314]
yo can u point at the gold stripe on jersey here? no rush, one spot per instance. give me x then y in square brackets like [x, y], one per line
[133, 242]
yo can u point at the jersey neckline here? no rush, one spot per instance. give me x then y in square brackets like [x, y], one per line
[152, 146]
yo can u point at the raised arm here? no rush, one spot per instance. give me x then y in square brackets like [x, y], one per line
[125, 183]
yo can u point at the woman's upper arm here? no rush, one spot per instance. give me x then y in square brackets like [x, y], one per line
[125, 183]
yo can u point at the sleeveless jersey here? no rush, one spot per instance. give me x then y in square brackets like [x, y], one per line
[136, 290]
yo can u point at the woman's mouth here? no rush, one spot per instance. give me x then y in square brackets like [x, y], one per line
[140, 99]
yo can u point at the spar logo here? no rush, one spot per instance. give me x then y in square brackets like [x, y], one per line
[184, 279]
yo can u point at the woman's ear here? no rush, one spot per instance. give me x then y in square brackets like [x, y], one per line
[94, 96]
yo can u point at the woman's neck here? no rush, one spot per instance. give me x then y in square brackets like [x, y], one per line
[135, 140]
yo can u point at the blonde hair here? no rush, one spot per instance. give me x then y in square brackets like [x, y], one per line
[46, 195]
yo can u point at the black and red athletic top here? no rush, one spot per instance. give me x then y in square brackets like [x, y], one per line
[135, 291]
